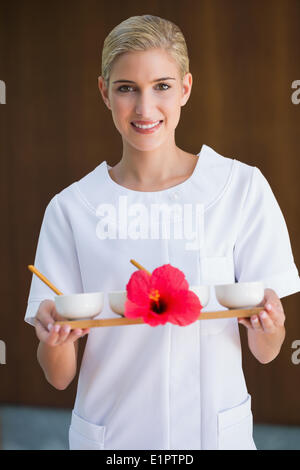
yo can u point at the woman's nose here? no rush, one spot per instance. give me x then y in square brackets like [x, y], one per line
[144, 105]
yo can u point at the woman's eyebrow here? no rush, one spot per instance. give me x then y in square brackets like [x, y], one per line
[156, 80]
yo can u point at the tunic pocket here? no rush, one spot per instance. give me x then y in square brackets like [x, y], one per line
[235, 427]
[215, 270]
[84, 435]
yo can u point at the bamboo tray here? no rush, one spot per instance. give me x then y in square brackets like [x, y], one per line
[238, 313]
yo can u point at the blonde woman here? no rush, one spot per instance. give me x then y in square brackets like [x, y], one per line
[169, 386]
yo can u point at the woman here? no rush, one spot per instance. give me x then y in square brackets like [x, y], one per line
[167, 387]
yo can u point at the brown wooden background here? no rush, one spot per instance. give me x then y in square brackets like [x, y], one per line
[54, 129]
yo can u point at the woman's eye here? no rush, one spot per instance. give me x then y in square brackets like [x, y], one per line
[160, 84]
[165, 84]
[123, 86]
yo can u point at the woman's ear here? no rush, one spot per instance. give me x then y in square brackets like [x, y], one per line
[104, 91]
[186, 88]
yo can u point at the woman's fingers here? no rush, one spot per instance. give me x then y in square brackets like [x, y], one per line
[252, 322]
[255, 322]
[66, 335]
[53, 335]
[63, 333]
[41, 332]
[44, 318]
[267, 323]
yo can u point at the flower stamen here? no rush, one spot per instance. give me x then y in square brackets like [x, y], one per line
[154, 295]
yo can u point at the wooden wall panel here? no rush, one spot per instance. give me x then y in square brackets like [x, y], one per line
[54, 129]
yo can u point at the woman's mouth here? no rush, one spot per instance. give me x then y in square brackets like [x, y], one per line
[149, 130]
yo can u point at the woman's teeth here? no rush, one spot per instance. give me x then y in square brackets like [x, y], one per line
[146, 126]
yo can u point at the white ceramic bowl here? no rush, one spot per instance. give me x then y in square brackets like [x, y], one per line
[240, 294]
[76, 306]
[117, 301]
[118, 298]
[202, 292]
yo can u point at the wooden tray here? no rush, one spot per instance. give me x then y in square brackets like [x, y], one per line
[239, 313]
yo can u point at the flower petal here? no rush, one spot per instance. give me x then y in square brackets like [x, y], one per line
[155, 319]
[167, 278]
[186, 309]
[133, 310]
[138, 288]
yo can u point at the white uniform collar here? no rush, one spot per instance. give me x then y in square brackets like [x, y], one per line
[207, 182]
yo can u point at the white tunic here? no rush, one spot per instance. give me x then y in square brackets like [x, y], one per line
[164, 387]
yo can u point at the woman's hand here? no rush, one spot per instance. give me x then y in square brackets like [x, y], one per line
[266, 331]
[271, 318]
[58, 334]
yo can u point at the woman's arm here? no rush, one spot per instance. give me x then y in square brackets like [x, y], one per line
[58, 348]
[59, 363]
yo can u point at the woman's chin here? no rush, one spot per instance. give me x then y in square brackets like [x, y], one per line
[143, 146]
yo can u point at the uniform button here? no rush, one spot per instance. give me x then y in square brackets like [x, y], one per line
[176, 196]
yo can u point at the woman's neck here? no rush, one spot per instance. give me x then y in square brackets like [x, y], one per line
[154, 176]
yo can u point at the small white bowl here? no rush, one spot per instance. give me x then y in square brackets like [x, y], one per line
[202, 292]
[118, 298]
[117, 301]
[77, 306]
[240, 294]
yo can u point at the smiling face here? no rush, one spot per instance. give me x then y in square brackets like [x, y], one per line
[136, 97]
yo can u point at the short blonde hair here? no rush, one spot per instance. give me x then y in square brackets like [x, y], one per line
[141, 33]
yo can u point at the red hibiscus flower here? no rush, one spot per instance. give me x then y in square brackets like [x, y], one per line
[162, 296]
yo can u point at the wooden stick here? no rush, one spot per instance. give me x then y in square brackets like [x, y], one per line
[238, 313]
[44, 279]
[139, 266]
